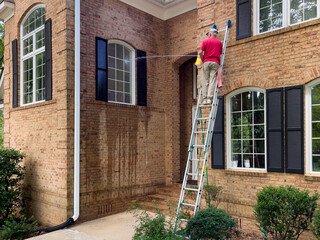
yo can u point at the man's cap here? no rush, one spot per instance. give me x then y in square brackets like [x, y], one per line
[213, 29]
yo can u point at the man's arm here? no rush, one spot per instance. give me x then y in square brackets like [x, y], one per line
[200, 53]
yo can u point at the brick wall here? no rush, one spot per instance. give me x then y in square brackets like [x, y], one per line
[280, 58]
[127, 151]
[41, 130]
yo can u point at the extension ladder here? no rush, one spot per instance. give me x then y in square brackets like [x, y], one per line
[206, 135]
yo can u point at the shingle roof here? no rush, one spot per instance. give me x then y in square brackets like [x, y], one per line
[12, 1]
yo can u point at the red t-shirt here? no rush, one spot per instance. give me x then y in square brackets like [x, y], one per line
[212, 48]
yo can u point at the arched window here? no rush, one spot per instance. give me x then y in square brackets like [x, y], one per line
[33, 56]
[313, 126]
[121, 72]
[246, 129]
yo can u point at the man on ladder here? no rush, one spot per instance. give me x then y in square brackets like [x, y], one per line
[210, 51]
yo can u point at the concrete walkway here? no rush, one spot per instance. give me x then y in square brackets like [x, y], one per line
[115, 227]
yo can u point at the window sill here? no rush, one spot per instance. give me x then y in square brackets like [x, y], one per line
[253, 173]
[312, 177]
[275, 32]
[41, 104]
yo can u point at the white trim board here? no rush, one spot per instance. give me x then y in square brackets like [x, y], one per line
[163, 11]
[6, 11]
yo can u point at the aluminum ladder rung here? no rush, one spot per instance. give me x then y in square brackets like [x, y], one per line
[198, 146]
[188, 204]
[201, 160]
[183, 220]
[203, 118]
[200, 131]
[191, 189]
[195, 174]
[205, 106]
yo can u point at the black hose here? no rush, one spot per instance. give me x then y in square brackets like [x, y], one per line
[58, 227]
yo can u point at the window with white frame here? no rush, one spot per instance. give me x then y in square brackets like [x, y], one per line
[313, 126]
[121, 72]
[275, 14]
[246, 129]
[33, 56]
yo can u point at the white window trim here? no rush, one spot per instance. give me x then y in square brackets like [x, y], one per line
[228, 119]
[308, 125]
[194, 83]
[285, 18]
[33, 54]
[133, 73]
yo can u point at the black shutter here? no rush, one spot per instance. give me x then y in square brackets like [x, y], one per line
[101, 69]
[243, 19]
[294, 129]
[275, 135]
[48, 59]
[142, 77]
[15, 73]
[217, 146]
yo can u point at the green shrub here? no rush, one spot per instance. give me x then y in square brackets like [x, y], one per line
[212, 194]
[17, 228]
[211, 223]
[11, 175]
[284, 212]
[316, 224]
[153, 226]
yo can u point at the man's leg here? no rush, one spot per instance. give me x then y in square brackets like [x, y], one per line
[212, 79]
[205, 80]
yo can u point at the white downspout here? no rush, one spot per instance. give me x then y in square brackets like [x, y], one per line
[77, 114]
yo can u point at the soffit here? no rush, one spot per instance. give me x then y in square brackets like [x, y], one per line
[163, 9]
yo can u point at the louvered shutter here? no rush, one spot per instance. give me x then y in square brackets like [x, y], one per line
[275, 134]
[48, 60]
[15, 73]
[142, 77]
[217, 146]
[294, 129]
[101, 69]
[243, 19]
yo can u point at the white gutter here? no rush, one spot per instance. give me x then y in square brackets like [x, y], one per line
[76, 183]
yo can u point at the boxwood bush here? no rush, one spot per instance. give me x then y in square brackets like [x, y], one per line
[284, 212]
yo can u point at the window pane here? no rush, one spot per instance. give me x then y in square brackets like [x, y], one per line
[258, 100]
[235, 119]
[111, 62]
[258, 117]
[127, 98]
[127, 77]
[316, 113]
[40, 64]
[40, 39]
[236, 146]
[236, 160]
[259, 131]
[259, 161]
[315, 146]
[119, 86]
[247, 132]
[259, 146]
[311, 10]
[112, 49]
[316, 129]
[248, 161]
[111, 85]
[316, 94]
[28, 45]
[236, 103]
[28, 80]
[264, 3]
[236, 133]
[247, 101]
[316, 163]
[119, 51]
[127, 88]
[119, 64]
[119, 76]
[111, 74]
[111, 96]
[247, 118]
[119, 97]
[247, 146]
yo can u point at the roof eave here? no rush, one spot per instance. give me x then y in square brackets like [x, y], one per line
[6, 10]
